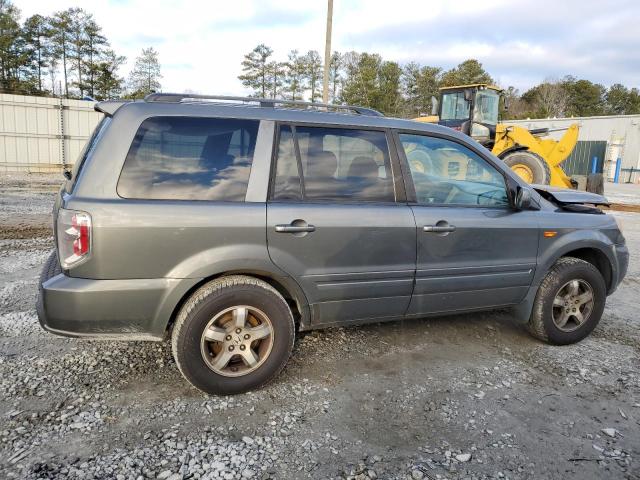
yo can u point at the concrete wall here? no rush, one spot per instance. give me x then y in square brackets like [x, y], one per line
[40, 134]
[622, 134]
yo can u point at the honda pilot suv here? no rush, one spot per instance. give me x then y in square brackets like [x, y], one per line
[228, 224]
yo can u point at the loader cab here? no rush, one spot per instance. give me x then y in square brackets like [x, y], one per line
[471, 109]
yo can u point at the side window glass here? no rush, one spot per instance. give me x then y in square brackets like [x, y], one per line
[189, 158]
[340, 164]
[447, 173]
[287, 179]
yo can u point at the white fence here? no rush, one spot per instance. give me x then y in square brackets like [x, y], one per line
[40, 134]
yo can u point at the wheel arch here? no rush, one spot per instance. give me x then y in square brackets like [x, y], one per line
[287, 287]
[597, 258]
[589, 252]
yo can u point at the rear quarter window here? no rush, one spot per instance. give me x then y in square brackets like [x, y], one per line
[86, 152]
[190, 158]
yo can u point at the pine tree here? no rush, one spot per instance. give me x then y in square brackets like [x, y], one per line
[145, 76]
[12, 58]
[335, 69]
[275, 78]
[313, 64]
[469, 71]
[419, 84]
[296, 76]
[61, 23]
[93, 52]
[78, 40]
[107, 83]
[256, 70]
[36, 33]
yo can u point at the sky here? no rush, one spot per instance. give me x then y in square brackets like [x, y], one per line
[521, 43]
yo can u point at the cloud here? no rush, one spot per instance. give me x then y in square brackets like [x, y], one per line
[201, 43]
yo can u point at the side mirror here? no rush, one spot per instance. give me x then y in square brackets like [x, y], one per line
[434, 105]
[523, 199]
[506, 104]
[468, 95]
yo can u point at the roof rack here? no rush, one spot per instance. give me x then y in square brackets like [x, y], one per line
[262, 102]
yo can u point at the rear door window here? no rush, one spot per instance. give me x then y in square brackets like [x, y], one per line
[337, 164]
[190, 158]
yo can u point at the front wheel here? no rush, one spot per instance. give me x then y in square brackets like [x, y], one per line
[232, 335]
[569, 302]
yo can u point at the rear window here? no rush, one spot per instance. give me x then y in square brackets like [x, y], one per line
[338, 164]
[185, 158]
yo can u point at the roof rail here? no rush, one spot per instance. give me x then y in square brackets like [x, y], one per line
[263, 102]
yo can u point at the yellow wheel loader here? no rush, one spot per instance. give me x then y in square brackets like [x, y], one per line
[473, 109]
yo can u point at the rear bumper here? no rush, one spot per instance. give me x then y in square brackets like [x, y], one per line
[135, 309]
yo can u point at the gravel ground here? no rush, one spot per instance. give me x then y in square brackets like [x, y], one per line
[626, 193]
[466, 396]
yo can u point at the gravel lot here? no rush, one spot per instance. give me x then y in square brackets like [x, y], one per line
[467, 396]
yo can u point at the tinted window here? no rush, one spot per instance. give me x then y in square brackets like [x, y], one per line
[88, 150]
[337, 164]
[183, 158]
[447, 173]
[287, 181]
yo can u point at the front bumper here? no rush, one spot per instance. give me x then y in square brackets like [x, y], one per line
[621, 253]
[132, 309]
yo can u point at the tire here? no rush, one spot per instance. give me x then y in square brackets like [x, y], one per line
[50, 269]
[560, 278]
[595, 183]
[532, 163]
[197, 358]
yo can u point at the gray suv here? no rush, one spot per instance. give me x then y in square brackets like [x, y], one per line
[227, 224]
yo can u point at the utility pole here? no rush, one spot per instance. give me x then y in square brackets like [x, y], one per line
[327, 53]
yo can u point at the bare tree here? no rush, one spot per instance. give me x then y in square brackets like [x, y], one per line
[549, 99]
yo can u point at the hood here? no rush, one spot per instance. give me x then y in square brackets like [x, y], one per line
[567, 196]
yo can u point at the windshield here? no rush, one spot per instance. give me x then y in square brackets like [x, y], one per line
[454, 106]
[486, 108]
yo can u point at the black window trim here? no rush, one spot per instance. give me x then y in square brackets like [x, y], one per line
[400, 195]
[412, 198]
[182, 201]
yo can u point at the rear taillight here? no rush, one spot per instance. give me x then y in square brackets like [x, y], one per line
[74, 237]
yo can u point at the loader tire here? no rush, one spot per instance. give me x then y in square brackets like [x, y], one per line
[595, 183]
[529, 166]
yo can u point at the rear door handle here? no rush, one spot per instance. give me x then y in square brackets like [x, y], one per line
[295, 228]
[439, 228]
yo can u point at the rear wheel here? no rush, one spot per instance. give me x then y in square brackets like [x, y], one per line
[233, 334]
[569, 302]
[529, 166]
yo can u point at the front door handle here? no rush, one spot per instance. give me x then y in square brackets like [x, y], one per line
[439, 228]
[293, 228]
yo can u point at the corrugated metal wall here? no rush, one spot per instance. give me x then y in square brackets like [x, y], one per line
[581, 159]
[40, 134]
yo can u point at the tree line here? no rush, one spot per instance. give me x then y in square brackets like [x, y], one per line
[366, 79]
[67, 54]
